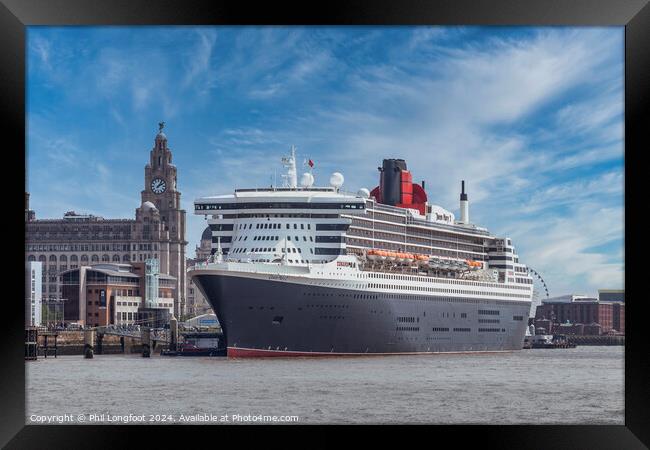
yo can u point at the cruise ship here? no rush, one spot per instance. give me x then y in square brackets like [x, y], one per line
[301, 270]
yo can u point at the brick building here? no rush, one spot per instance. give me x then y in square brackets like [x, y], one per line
[106, 294]
[584, 311]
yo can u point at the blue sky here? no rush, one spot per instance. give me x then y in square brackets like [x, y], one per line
[531, 118]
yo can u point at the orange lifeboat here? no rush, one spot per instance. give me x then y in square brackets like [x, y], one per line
[422, 259]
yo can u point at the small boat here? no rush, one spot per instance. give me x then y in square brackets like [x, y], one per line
[373, 255]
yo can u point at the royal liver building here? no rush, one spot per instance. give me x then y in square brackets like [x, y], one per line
[158, 231]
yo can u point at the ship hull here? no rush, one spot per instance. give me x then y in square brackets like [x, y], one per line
[262, 317]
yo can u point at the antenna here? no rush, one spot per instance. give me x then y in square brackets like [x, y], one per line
[291, 178]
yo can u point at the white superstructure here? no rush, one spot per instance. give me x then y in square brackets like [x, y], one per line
[325, 236]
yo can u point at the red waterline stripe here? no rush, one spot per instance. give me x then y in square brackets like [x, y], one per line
[240, 352]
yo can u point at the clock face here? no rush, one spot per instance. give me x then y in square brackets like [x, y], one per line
[158, 185]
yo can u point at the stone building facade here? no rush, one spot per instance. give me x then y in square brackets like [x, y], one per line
[196, 302]
[158, 231]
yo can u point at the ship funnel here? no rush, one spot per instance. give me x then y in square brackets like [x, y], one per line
[464, 205]
[390, 181]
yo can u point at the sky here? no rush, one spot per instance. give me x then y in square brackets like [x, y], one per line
[530, 117]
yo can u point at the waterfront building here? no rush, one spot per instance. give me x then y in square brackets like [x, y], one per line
[115, 293]
[196, 302]
[572, 309]
[33, 293]
[158, 231]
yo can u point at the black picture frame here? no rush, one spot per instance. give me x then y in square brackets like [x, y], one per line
[15, 15]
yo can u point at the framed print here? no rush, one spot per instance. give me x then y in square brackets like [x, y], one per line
[356, 214]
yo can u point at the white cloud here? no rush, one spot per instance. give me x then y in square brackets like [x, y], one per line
[562, 248]
[41, 47]
[200, 59]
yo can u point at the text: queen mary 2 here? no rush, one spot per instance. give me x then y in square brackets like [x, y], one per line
[301, 270]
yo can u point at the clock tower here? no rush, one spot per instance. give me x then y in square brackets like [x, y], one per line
[160, 189]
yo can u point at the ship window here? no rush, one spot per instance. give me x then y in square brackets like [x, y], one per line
[302, 226]
[287, 226]
[295, 226]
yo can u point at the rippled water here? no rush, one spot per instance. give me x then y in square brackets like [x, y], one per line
[584, 385]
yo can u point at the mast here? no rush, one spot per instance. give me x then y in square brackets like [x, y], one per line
[291, 178]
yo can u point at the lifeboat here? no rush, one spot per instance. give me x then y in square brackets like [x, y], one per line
[390, 256]
[422, 260]
[373, 255]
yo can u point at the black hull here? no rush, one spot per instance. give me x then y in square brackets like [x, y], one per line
[264, 318]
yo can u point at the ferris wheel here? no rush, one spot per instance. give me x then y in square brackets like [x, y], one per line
[540, 290]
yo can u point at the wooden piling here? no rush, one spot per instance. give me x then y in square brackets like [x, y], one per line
[100, 339]
[89, 343]
[146, 342]
[173, 329]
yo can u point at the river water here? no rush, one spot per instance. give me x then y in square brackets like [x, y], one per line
[584, 385]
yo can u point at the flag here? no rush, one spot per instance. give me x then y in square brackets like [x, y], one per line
[311, 163]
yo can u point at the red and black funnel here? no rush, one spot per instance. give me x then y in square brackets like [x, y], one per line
[396, 187]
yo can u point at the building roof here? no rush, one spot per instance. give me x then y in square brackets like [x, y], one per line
[117, 270]
[569, 298]
[148, 205]
[207, 234]
[105, 269]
